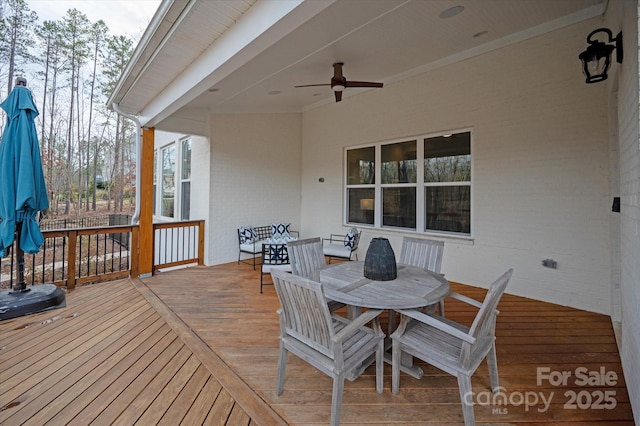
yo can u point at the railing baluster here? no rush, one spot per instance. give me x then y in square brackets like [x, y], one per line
[44, 260]
[192, 239]
[120, 252]
[184, 239]
[165, 245]
[13, 266]
[173, 244]
[113, 242]
[65, 266]
[33, 269]
[80, 257]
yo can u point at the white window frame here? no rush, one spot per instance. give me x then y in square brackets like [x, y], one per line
[420, 186]
[178, 180]
[160, 189]
[180, 194]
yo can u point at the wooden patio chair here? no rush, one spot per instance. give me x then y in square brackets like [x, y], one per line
[452, 347]
[307, 259]
[334, 345]
[425, 254]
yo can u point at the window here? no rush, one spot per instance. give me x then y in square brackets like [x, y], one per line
[424, 184]
[172, 179]
[168, 181]
[360, 185]
[447, 177]
[399, 169]
[185, 194]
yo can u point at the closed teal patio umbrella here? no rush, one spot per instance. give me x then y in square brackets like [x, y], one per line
[22, 195]
[22, 188]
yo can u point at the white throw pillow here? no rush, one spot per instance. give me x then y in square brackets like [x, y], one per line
[350, 238]
[280, 230]
[247, 234]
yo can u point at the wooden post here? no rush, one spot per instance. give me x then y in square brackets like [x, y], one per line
[72, 241]
[201, 243]
[145, 251]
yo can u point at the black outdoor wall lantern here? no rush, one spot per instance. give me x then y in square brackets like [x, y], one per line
[597, 58]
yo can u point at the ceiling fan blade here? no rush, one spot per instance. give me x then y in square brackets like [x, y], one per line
[313, 85]
[362, 84]
[338, 96]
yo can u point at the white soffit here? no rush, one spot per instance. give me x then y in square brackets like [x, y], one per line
[252, 52]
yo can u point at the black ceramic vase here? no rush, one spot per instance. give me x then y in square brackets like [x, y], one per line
[380, 261]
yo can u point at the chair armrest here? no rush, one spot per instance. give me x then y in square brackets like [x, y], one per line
[354, 325]
[334, 238]
[434, 322]
[465, 299]
[468, 300]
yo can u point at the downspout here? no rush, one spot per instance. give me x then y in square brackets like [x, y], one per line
[136, 214]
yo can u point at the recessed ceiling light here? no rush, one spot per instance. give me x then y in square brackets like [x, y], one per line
[274, 92]
[451, 12]
[480, 34]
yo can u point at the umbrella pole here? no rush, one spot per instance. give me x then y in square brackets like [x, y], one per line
[20, 284]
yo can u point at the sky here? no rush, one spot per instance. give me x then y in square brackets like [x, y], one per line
[123, 17]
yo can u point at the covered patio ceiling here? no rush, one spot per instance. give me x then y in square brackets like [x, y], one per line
[245, 56]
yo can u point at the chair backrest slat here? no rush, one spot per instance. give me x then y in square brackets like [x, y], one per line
[306, 314]
[306, 257]
[423, 253]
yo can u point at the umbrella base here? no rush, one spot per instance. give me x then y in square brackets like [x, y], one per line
[36, 298]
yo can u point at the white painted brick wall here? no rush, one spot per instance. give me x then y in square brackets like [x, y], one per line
[200, 153]
[540, 158]
[623, 15]
[254, 177]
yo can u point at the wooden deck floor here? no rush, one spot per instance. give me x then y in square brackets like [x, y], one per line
[199, 346]
[113, 357]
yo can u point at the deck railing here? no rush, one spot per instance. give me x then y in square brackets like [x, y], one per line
[71, 257]
[177, 244]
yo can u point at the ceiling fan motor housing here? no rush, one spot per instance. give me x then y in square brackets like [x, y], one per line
[338, 84]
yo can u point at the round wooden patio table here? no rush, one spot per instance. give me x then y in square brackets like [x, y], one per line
[412, 289]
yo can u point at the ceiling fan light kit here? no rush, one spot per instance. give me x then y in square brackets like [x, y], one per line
[339, 83]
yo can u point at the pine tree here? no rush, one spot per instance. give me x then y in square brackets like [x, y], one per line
[17, 20]
[75, 31]
[118, 52]
[98, 40]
